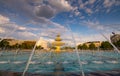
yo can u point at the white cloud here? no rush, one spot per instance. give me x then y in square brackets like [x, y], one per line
[45, 11]
[88, 10]
[26, 35]
[97, 6]
[2, 30]
[38, 12]
[13, 30]
[32, 9]
[77, 13]
[35, 2]
[52, 8]
[41, 14]
[50, 30]
[109, 3]
[84, 6]
[21, 28]
[60, 5]
[81, 5]
[101, 27]
[82, 17]
[91, 1]
[4, 19]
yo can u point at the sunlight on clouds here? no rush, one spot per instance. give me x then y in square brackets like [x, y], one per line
[109, 3]
[13, 30]
[88, 10]
[1, 30]
[3, 19]
[47, 23]
[91, 1]
[60, 5]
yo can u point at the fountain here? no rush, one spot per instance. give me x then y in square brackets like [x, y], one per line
[58, 43]
[55, 62]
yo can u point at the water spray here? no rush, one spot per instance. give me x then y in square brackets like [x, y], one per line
[79, 61]
[30, 58]
[116, 49]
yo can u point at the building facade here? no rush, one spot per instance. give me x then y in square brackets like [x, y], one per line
[97, 43]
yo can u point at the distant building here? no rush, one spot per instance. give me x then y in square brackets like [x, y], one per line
[97, 43]
[13, 41]
[115, 37]
[43, 43]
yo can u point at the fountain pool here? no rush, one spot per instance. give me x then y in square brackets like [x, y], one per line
[45, 62]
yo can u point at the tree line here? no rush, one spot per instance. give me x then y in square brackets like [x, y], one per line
[105, 45]
[4, 44]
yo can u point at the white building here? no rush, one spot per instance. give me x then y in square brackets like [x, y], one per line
[43, 43]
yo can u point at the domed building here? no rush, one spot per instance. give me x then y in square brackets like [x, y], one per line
[115, 37]
[43, 43]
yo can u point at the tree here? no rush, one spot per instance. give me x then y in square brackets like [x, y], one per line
[53, 47]
[4, 44]
[92, 46]
[39, 47]
[15, 46]
[79, 46]
[27, 45]
[68, 47]
[82, 47]
[106, 46]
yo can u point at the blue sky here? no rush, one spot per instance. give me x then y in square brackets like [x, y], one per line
[31, 19]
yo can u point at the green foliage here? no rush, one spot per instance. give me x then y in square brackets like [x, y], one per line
[4, 43]
[106, 46]
[53, 47]
[79, 46]
[92, 46]
[27, 45]
[15, 46]
[39, 47]
[83, 47]
[68, 47]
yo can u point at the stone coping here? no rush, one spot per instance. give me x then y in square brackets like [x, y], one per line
[60, 73]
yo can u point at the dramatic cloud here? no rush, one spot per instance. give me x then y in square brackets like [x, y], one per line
[25, 31]
[60, 5]
[41, 9]
[45, 11]
[95, 25]
[91, 1]
[46, 18]
[89, 11]
[3, 19]
[109, 3]
[102, 27]
[37, 10]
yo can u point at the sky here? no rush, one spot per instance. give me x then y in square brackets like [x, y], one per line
[74, 20]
